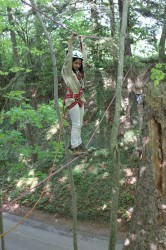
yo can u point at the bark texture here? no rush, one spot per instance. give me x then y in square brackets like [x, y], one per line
[162, 54]
[148, 224]
[115, 129]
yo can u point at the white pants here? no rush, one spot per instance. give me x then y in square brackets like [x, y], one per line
[76, 115]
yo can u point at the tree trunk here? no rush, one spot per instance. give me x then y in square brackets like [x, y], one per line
[95, 24]
[147, 226]
[162, 55]
[1, 222]
[13, 37]
[30, 140]
[112, 17]
[127, 38]
[148, 222]
[128, 43]
[114, 134]
[94, 15]
[73, 192]
[120, 6]
[100, 101]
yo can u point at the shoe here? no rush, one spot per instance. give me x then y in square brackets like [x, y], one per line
[80, 150]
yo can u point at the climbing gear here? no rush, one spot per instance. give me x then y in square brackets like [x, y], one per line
[78, 54]
[51, 175]
[78, 101]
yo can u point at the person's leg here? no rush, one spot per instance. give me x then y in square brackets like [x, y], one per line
[81, 123]
[75, 116]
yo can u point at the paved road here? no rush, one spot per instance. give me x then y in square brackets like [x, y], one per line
[32, 235]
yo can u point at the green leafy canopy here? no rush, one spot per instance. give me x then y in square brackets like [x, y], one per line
[158, 74]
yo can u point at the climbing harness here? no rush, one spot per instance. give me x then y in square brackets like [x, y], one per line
[78, 101]
[79, 75]
[50, 176]
[70, 94]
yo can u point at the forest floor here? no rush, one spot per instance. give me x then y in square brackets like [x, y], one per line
[97, 228]
[92, 177]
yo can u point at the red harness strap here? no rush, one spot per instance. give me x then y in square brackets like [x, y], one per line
[70, 94]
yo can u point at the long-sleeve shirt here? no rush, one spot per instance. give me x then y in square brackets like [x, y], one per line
[70, 77]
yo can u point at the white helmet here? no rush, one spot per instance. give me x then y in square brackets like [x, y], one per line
[77, 54]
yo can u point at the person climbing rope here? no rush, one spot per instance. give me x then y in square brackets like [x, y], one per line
[73, 75]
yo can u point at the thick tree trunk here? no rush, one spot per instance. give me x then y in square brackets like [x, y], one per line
[148, 223]
[115, 129]
[127, 38]
[162, 55]
[128, 43]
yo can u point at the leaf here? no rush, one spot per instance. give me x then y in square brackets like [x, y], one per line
[28, 70]
[15, 95]
[16, 69]
[2, 73]
[158, 74]
[36, 52]
[2, 115]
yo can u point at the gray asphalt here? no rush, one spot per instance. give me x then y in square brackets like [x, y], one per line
[33, 235]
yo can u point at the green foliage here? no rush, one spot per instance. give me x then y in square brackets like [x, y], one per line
[15, 95]
[25, 113]
[36, 52]
[12, 137]
[14, 147]
[2, 73]
[9, 3]
[40, 174]
[10, 143]
[2, 115]
[35, 65]
[158, 74]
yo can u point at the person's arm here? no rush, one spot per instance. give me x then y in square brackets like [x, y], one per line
[80, 38]
[67, 67]
[70, 44]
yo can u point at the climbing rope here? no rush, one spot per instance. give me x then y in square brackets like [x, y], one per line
[70, 162]
[60, 24]
[51, 174]
[47, 180]
[52, 19]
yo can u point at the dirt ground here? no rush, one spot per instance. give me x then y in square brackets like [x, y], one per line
[91, 227]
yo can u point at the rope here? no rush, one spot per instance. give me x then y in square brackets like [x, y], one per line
[42, 193]
[57, 148]
[61, 25]
[52, 19]
[97, 37]
[100, 122]
[51, 174]
[64, 166]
